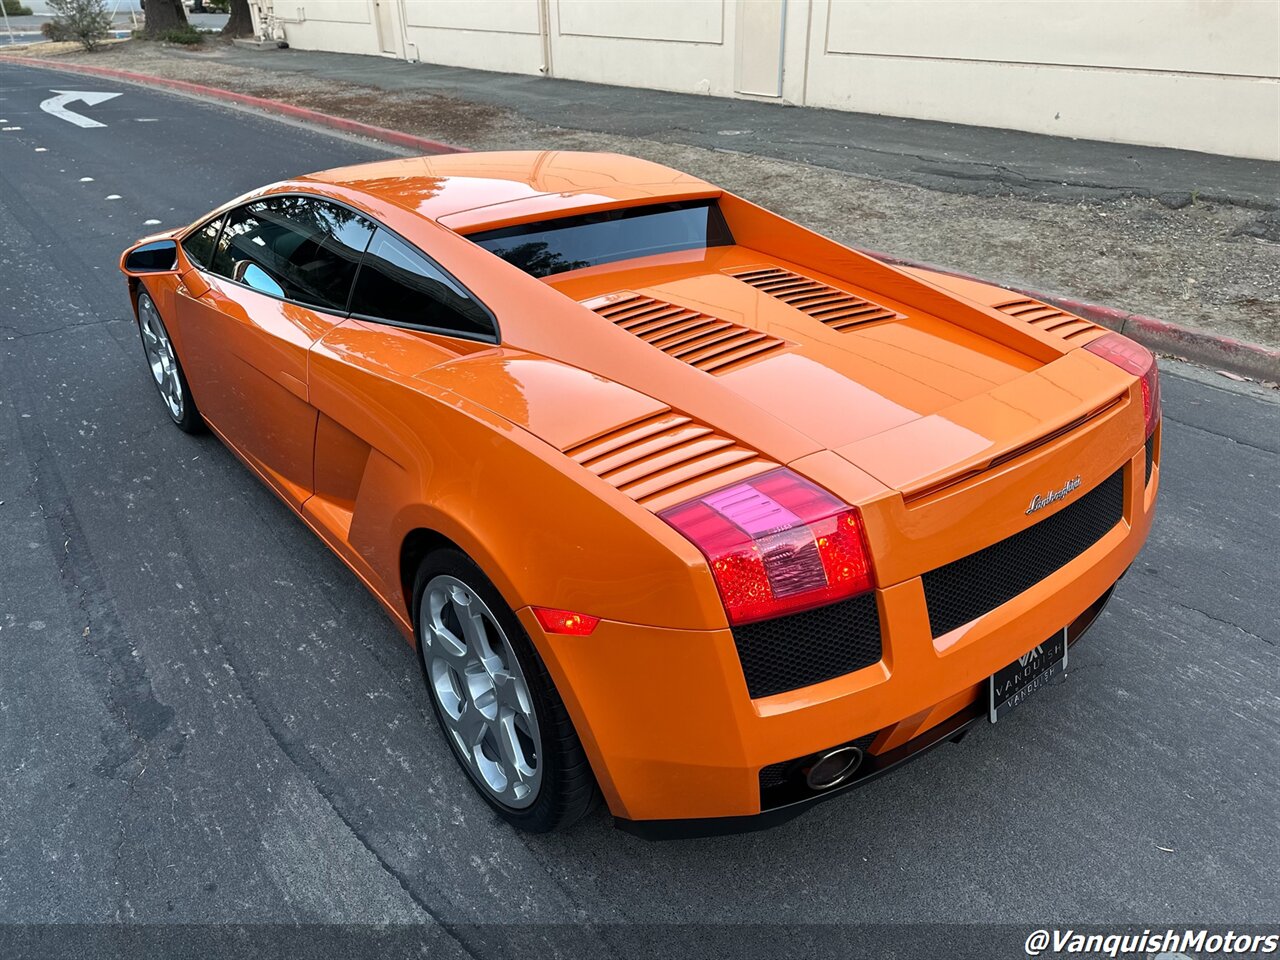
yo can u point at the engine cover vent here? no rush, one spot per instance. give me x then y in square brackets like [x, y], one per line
[1047, 318]
[838, 309]
[699, 339]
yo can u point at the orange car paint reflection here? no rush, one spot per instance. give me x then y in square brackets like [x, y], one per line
[939, 424]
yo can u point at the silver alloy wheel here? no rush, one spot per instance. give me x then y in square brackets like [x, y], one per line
[160, 356]
[481, 690]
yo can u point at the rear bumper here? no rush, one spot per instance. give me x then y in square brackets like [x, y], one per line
[952, 728]
[678, 745]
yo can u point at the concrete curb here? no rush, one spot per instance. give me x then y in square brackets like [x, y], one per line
[1162, 336]
[276, 107]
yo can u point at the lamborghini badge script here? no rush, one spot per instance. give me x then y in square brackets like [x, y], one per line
[1053, 496]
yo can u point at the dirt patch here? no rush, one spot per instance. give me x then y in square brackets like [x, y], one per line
[50, 48]
[1198, 265]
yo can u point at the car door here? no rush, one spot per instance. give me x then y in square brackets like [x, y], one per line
[378, 434]
[278, 278]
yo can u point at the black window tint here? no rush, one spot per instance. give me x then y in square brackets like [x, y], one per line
[571, 243]
[399, 284]
[199, 245]
[308, 248]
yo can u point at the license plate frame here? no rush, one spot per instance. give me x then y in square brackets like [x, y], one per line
[1011, 685]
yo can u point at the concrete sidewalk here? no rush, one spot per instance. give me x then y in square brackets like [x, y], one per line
[941, 156]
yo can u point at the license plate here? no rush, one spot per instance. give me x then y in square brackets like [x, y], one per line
[1013, 684]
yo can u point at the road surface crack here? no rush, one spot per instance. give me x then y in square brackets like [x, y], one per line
[128, 694]
[1223, 621]
[17, 334]
[311, 769]
[1224, 436]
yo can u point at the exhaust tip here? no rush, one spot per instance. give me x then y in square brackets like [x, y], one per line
[834, 767]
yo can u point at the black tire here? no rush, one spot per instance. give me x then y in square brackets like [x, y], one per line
[568, 789]
[188, 420]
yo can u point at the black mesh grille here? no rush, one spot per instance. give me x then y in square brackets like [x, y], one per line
[974, 585]
[1151, 456]
[775, 774]
[805, 648]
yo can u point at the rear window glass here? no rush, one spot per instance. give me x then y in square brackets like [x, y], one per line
[571, 243]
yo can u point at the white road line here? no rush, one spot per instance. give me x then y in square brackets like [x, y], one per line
[57, 106]
[114, 196]
[86, 179]
[150, 223]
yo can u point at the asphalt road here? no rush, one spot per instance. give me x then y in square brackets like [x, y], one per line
[205, 718]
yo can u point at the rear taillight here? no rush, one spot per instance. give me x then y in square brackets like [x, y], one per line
[777, 544]
[1136, 359]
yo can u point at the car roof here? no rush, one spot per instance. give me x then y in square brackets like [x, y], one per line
[471, 191]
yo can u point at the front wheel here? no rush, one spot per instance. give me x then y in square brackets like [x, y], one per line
[497, 706]
[166, 371]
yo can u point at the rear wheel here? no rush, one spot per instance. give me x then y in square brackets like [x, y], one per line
[166, 371]
[498, 709]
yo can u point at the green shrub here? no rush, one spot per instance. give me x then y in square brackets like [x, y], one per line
[55, 31]
[85, 21]
[187, 35]
[15, 9]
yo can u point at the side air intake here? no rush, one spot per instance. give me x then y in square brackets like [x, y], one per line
[661, 455]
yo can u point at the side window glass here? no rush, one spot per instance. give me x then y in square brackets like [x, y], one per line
[399, 284]
[303, 249]
[224, 250]
[199, 244]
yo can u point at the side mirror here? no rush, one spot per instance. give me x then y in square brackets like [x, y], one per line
[255, 278]
[159, 256]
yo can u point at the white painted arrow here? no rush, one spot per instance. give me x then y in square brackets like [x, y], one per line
[58, 105]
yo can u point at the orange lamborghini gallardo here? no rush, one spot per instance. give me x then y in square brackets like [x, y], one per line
[681, 504]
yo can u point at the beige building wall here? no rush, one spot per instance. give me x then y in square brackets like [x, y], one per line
[1196, 74]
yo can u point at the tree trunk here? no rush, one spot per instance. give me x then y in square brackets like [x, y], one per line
[241, 22]
[165, 15]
